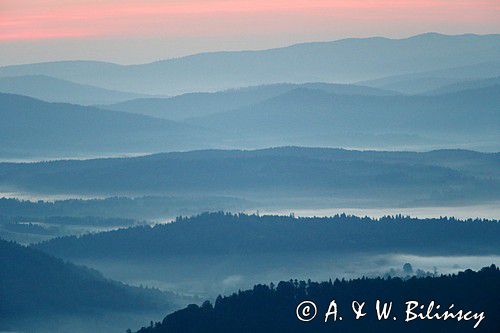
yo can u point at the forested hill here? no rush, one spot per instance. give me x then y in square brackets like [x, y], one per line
[138, 208]
[280, 172]
[244, 235]
[272, 309]
[34, 284]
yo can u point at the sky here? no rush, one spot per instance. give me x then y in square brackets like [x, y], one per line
[133, 31]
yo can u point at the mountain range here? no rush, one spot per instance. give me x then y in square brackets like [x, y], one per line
[344, 61]
[313, 117]
[313, 114]
[420, 93]
[275, 174]
[97, 159]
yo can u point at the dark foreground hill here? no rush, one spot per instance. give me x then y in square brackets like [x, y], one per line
[36, 285]
[273, 308]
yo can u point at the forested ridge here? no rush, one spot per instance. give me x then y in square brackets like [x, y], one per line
[225, 233]
[33, 283]
[392, 178]
[272, 308]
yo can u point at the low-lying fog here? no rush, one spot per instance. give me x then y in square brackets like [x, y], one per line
[210, 276]
[30, 196]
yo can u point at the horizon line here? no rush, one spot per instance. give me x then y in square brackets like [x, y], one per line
[429, 33]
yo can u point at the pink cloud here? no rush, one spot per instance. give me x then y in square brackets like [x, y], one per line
[49, 19]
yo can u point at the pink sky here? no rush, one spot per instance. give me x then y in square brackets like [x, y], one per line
[193, 25]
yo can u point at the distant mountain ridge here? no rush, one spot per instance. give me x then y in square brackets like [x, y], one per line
[268, 112]
[466, 85]
[313, 117]
[56, 90]
[312, 114]
[191, 105]
[423, 82]
[338, 61]
[31, 126]
[321, 114]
